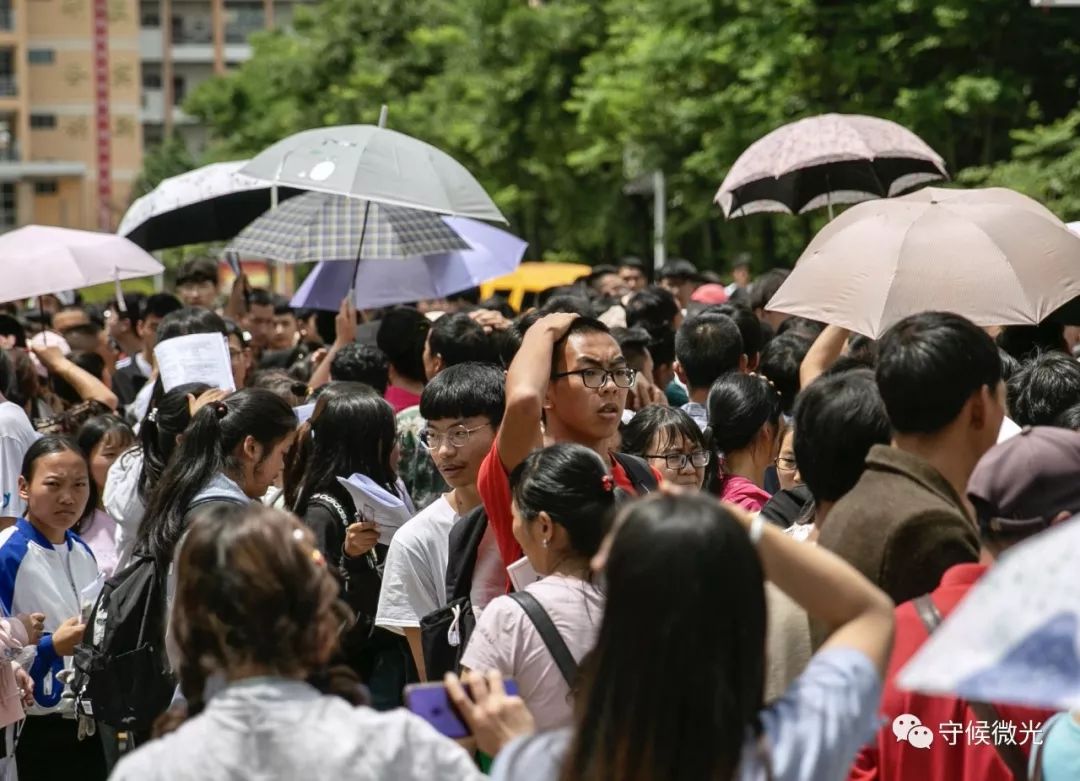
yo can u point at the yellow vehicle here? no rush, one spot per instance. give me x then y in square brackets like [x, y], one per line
[522, 287]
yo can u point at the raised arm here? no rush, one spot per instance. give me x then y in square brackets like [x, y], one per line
[823, 353]
[89, 387]
[526, 385]
[857, 613]
[344, 334]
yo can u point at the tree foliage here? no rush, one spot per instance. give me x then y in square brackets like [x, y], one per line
[557, 105]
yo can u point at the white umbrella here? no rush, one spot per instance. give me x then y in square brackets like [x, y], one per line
[208, 204]
[375, 164]
[992, 255]
[40, 259]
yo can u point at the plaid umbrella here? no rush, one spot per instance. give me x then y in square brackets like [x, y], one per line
[319, 226]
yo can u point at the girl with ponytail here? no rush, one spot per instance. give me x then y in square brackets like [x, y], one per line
[745, 431]
[563, 499]
[230, 454]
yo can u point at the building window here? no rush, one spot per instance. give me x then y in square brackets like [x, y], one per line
[8, 215]
[46, 187]
[41, 56]
[151, 80]
[43, 121]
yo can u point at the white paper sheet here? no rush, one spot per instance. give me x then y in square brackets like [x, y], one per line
[304, 411]
[195, 358]
[375, 503]
[521, 573]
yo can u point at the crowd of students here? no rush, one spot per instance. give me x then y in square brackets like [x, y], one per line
[658, 531]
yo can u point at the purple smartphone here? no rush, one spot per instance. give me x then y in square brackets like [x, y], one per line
[431, 702]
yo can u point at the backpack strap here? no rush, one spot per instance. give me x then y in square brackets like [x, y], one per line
[556, 646]
[1010, 754]
[638, 470]
[463, 548]
[333, 505]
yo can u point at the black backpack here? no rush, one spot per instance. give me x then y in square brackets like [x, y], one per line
[445, 632]
[122, 673]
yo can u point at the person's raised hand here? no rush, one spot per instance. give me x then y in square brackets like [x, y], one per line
[34, 624]
[206, 397]
[490, 320]
[345, 324]
[360, 538]
[494, 717]
[68, 635]
[50, 355]
[556, 324]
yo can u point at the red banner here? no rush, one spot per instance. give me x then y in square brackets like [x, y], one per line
[101, 104]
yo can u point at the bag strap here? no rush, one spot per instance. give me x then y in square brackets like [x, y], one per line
[637, 469]
[1010, 754]
[333, 505]
[556, 646]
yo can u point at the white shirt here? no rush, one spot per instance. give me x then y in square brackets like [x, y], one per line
[506, 640]
[16, 437]
[414, 575]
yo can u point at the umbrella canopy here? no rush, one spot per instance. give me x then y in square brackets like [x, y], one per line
[991, 255]
[319, 226]
[377, 283]
[1014, 637]
[375, 164]
[41, 259]
[832, 158]
[212, 203]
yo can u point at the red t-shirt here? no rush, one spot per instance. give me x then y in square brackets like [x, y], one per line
[400, 399]
[493, 484]
[955, 754]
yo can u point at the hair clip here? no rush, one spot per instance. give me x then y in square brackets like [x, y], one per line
[607, 482]
[152, 415]
[221, 409]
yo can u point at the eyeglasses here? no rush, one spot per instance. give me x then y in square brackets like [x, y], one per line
[597, 378]
[457, 437]
[677, 461]
[787, 464]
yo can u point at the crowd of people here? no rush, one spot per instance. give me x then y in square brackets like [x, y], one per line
[642, 531]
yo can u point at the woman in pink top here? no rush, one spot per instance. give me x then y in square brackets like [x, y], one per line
[102, 439]
[745, 431]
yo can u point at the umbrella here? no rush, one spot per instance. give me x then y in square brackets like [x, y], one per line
[212, 203]
[1014, 637]
[375, 164]
[377, 283]
[319, 226]
[832, 158]
[991, 255]
[44, 259]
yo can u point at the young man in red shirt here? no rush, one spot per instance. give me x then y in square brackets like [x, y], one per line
[1019, 488]
[567, 383]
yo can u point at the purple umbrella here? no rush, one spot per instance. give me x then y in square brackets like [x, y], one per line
[394, 281]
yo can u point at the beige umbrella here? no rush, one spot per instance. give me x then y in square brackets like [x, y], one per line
[992, 255]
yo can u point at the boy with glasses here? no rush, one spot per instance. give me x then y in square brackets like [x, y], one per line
[567, 383]
[463, 407]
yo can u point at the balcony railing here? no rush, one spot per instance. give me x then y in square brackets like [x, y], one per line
[9, 86]
[7, 18]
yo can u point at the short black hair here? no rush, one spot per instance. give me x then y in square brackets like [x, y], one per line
[650, 307]
[401, 336]
[707, 347]
[260, 296]
[570, 303]
[198, 270]
[1069, 419]
[582, 325]
[748, 323]
[1009, 365]
[634, 342]
[780, 362]
[159, 305]
[670, 422]
[1043, 389]
[764, 287]
[190, 320]
[632, 261]
[837, 420]
[282, 307]
[463, 391]
[1026, 341]
[10, 326]
[929, 366]
[364, 363]
[457, 338]
[133, 304]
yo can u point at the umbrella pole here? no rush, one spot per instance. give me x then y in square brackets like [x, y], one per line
[363, 225]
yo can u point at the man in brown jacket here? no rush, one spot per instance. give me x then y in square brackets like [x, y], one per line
[905, 522]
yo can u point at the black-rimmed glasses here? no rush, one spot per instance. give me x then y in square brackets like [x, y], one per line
[677, 461]
[597, 378]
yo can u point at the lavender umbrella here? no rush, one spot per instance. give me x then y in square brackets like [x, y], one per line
[384, 282]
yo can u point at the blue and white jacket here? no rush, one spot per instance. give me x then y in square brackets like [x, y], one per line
[36, 578]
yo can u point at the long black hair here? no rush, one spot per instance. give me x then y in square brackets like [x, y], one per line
[90, 434]
[209, 448]
[350, 432]
[674, 558]
[159, 430]
[739, 405]
[571, 484]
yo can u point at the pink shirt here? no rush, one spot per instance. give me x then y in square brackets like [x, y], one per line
[400, 398]
[743, 493]
[100, 536]
[506, 640]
